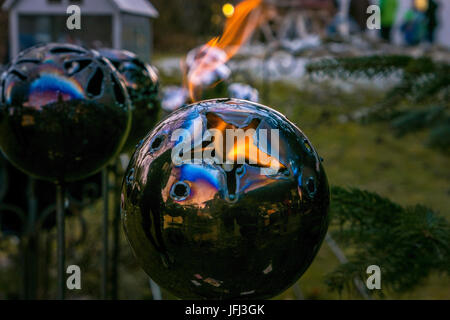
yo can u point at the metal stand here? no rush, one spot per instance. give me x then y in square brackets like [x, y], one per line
[31, 243]
[156, 290]
[298, 292]
[116, 239]
[105, 192]
[61, 247]
[337, 251]
[33, 221]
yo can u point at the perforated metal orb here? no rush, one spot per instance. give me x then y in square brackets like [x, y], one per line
[141, 80]
[64, 112]
[206, 226]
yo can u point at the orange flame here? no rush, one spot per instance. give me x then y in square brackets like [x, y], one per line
[248, 15]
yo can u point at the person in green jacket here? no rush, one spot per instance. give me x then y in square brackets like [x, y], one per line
[415, 23]
[388, 10]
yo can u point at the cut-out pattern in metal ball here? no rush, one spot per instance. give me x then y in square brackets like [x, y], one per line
[204, 228]
[64, 112]
[141, 80]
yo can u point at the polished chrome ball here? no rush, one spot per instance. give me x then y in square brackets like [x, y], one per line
[141, 80]
[225, 199]
[64, 112]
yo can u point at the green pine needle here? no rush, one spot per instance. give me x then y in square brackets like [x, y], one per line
[408, 244]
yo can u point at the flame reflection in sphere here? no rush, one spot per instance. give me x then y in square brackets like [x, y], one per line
[64, 112]
[207, 220]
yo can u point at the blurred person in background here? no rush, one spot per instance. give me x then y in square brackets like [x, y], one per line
[358, 12]
[388, 10]
[433, 22]
[415, 23]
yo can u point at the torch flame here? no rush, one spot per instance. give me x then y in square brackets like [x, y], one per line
[248, 15]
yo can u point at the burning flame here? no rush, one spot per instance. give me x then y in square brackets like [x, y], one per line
[239, 27]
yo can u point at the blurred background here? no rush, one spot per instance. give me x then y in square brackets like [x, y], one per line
[282, 60]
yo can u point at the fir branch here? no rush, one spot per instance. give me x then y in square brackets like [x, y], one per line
[422, 81]
[408, 244]
[370, 66]
[415, 120]
[440, 137]
[421, 78]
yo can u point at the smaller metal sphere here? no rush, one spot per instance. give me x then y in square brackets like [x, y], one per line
[141, 80]
[225, 199]
[64, 112]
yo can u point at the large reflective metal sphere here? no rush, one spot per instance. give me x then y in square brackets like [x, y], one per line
[212, 218]
[141, 80]
[64, 112]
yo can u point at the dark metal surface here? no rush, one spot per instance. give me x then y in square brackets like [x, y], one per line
[61, 241]
[64, 112]
[32, 197]
[118, 173]
[105, 234]
[28, 212]
[142, 83]
[208, 231]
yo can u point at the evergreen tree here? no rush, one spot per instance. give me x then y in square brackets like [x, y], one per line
[420, 100]
[407, 243]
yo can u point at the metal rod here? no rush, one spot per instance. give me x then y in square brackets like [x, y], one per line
[116, 239]
[47, 263]
[105, 193]
[298, 292]
[32, 240]
[337, 251]
[156, 290]
[24, 270]
[61, 247]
